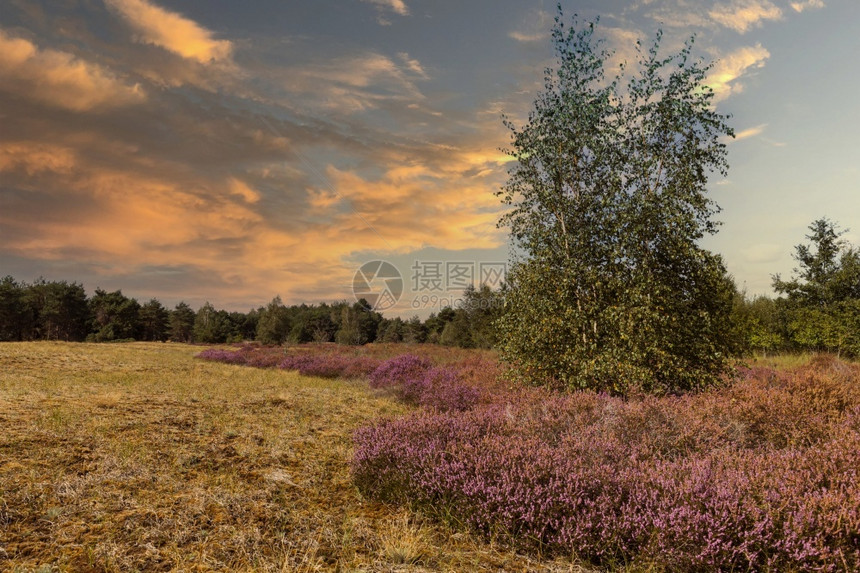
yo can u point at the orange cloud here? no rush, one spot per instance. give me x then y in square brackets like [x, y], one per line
[244, 191]
[60, 79]
[250, 225]
[411, 207]
[396, 6]
[133, 220]
[807, 5]
[125, 221]
[171, 31]
[750, 132]
[741, 15]
[725, 73]
[33, 157]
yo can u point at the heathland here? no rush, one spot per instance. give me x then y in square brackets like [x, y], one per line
[139, 457]
[157, 456]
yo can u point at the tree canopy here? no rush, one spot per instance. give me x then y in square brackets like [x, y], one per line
[608, 202]
[829, 270]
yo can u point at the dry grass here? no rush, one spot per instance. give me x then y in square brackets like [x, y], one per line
[140, 458]
[781, 361]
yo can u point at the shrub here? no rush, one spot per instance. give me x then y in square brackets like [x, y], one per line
[325, 366]
[417, 382]
[399, 371]
[444, 389]
[761, 475]
[265, 359]
[221, 355]
[329, 365]
[310, 363]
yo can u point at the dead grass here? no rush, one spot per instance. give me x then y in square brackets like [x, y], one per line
[781, 361]
[138, 457]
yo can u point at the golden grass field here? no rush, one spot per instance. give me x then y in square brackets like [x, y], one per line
[138, 457]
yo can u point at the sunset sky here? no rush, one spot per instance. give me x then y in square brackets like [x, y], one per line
[233, 151]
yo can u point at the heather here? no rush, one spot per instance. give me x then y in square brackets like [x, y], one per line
[759, 475]
[416, 381]
[441, 379]
[306, 361]
[385, 365]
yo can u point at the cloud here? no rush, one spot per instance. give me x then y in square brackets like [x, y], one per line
[725, 73]
[396, 6]
[414, 204]
[126, 222]
[357, 83]
[526, 38]
[807, 5]
[171, 31]
[243, 190]
[237, 227]
[535, 29]
[234, 194]
[413, 65]
[59, 78]
[33, 158]
[742, 15]
[122, 221]
[750, 132]
[125, 218]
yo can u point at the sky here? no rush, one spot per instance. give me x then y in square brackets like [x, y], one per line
[209, 150]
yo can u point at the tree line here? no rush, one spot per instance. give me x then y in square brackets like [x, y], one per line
[818, 309]
[60, 310]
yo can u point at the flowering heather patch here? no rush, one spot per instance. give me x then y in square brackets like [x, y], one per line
[417, 381]
[457, 385]
[480, 366]
[263, 359]
[326, 362]
[222, 355]
[760, 475]
[444, 388]
[309, 365]
[329, 365]
[402, 370]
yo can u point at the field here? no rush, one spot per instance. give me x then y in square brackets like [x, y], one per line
[760, 473]
[148, 457]
[140, 457]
